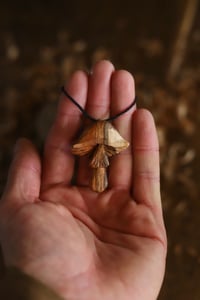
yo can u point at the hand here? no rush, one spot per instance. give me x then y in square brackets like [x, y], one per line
[82, 244]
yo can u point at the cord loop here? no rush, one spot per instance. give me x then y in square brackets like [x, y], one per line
[85, 113]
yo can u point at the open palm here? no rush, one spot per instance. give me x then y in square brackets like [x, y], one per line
[82, 244]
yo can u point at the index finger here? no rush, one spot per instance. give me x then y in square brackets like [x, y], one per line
[58, 160]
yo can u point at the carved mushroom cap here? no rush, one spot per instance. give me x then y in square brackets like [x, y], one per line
[101, 133]
[114, 139]
[89, 139]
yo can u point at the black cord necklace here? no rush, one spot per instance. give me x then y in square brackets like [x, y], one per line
[85, 113]
[101, 141]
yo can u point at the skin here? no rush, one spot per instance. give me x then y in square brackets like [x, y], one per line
[82, 244]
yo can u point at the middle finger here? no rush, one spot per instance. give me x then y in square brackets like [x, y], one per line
[98, 106]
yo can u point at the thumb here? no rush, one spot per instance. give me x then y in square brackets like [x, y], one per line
[23, 183]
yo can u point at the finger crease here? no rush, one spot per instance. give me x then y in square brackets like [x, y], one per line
[97, 106]
[146, 149]
[63, 149]
[74, 114]
[31, 168]
[148, 176]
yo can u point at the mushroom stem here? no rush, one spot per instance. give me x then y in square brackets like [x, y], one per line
[99, 180]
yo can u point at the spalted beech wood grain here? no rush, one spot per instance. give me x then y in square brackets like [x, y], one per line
[103, 141]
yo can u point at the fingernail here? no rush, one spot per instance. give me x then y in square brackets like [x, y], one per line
[18, 145]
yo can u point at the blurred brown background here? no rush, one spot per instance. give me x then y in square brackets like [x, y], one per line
[42, 42]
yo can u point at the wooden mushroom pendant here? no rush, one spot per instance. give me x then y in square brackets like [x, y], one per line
[102, 140]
